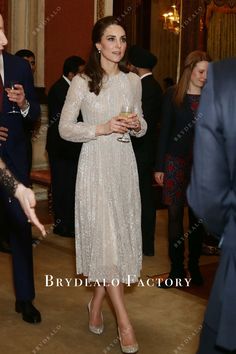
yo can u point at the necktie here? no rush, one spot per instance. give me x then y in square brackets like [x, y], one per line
[1, 93]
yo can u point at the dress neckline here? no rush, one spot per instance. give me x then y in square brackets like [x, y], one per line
[111, 77]
[194, 94]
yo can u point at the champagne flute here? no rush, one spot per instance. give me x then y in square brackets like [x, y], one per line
[10, 87]
[126, 110]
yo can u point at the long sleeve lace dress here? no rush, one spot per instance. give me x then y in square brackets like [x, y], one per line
[107, 202]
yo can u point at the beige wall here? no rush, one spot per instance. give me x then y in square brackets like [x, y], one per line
[40, 157]
[25, 17]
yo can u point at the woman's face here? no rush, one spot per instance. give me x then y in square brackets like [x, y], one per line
[199, 74]
[112, 44]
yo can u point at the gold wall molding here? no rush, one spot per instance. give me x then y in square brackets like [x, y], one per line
[229, 3]
[102, 8]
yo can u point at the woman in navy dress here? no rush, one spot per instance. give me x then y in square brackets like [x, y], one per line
[174, 162]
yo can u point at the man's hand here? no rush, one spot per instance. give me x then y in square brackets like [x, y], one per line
[17, 95]
[3, 133]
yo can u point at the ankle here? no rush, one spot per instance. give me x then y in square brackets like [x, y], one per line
[125, 329]
[127, 337]
[126, 334]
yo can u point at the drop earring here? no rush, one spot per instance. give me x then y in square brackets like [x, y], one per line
[99, 51]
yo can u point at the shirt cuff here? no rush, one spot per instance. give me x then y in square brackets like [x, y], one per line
[25, 111]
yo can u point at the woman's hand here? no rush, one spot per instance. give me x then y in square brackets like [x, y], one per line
[159, 178]
[27, 200]
[133, 122]
[117, 124]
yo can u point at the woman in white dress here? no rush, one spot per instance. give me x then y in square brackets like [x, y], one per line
[107, 207]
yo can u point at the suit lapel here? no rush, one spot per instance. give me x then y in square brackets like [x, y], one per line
[7, 69]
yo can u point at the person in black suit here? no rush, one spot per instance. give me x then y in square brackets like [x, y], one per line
[29, 56]
[63, 155]
[29, 127]
[142, 62]
[211, 195]
[13, 151]
[168, 82]
[4, 235]
[32, 126]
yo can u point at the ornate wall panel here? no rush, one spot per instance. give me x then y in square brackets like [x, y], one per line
[102, 8]
[229, 3]
[221, 30]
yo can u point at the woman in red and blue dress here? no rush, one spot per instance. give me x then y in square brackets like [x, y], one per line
[174, 162]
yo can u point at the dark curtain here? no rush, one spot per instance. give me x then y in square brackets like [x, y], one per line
[135, 14]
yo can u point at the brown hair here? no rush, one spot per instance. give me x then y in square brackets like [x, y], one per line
[93, 67]
[190, 62]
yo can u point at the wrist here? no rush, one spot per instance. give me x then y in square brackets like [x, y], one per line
[8, 181]
[98, 130]
[25, 105]
[101, 129]
[18, 189]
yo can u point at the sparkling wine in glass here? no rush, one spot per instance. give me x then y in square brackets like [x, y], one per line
[11, 86]
[126, 110]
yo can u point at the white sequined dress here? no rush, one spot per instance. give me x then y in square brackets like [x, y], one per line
[107, 203]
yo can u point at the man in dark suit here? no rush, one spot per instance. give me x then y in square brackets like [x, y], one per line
[63, 155]
[29, 56]
[33, 126]
[14, 154]
[212, 197]
[29, 127]
[142, 62]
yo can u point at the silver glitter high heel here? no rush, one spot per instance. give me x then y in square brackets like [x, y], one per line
[128, 348]
[95, 329]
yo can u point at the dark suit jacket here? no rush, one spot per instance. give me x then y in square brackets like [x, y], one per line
[56, 146]
[145, 146]
[14, 151]
[212, 192]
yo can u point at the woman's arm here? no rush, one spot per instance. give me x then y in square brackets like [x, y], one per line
[69, 128]
[72, 130]
[25, 195]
